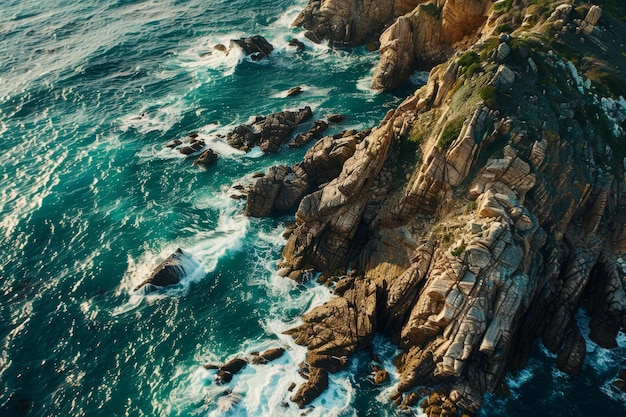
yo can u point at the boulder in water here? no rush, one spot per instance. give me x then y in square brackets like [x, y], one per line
[230, 368]
[169, 272]
[206, 158]
[312, 388]
[294, 91]
[268, 356]
[297, 44]
[257, 46]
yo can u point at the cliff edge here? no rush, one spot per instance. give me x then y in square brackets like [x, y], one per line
[482, 213]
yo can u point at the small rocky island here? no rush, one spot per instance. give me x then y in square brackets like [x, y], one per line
[480, 215]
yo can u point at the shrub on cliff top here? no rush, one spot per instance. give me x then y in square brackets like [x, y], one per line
[468, 58]
[450, 133]
[488, 94]
[469, 61]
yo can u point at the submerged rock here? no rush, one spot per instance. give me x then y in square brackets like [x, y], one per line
[170, 272]
[299, 45]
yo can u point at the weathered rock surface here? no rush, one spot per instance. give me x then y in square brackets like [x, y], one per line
[268, 132]
[426, 36]
[509, 222]
[282, 188]
[312, 388]
[351, 22]
[415, 31]
[169, 272]
[342, 326]
[337, 329]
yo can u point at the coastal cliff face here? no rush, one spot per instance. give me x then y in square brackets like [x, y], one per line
[482, 213]
[350, 22]
[418, 32]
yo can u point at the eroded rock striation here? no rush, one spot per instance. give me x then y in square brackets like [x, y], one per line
[508, 220]
[425, 36]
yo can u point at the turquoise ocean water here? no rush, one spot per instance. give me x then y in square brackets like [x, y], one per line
[91, 201]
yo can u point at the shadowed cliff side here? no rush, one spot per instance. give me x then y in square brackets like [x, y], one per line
[477, 217]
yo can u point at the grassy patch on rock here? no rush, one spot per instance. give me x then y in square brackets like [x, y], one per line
[450, 133]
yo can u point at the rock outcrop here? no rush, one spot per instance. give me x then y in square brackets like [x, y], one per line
[416, 32]
[268, 132]
[256, 46]
[510, 222]
[171, 271]
[316, 384]
[340, 327]
[282, 188]
[426, 36]
[206, 158]
[352, 22]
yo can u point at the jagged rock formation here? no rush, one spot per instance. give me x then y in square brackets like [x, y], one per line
[352, 22]
[282, 188]
[426, 36]
[417, 31]
[510, 222]
[268, 132]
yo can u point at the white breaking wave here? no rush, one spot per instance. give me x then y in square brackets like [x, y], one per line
[263, 390]
[159, 116]
[207, 247]
[204, 56]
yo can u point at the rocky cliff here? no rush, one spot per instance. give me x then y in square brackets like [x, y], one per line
[482, 213]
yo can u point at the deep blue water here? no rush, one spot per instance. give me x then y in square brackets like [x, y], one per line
[91, 201]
